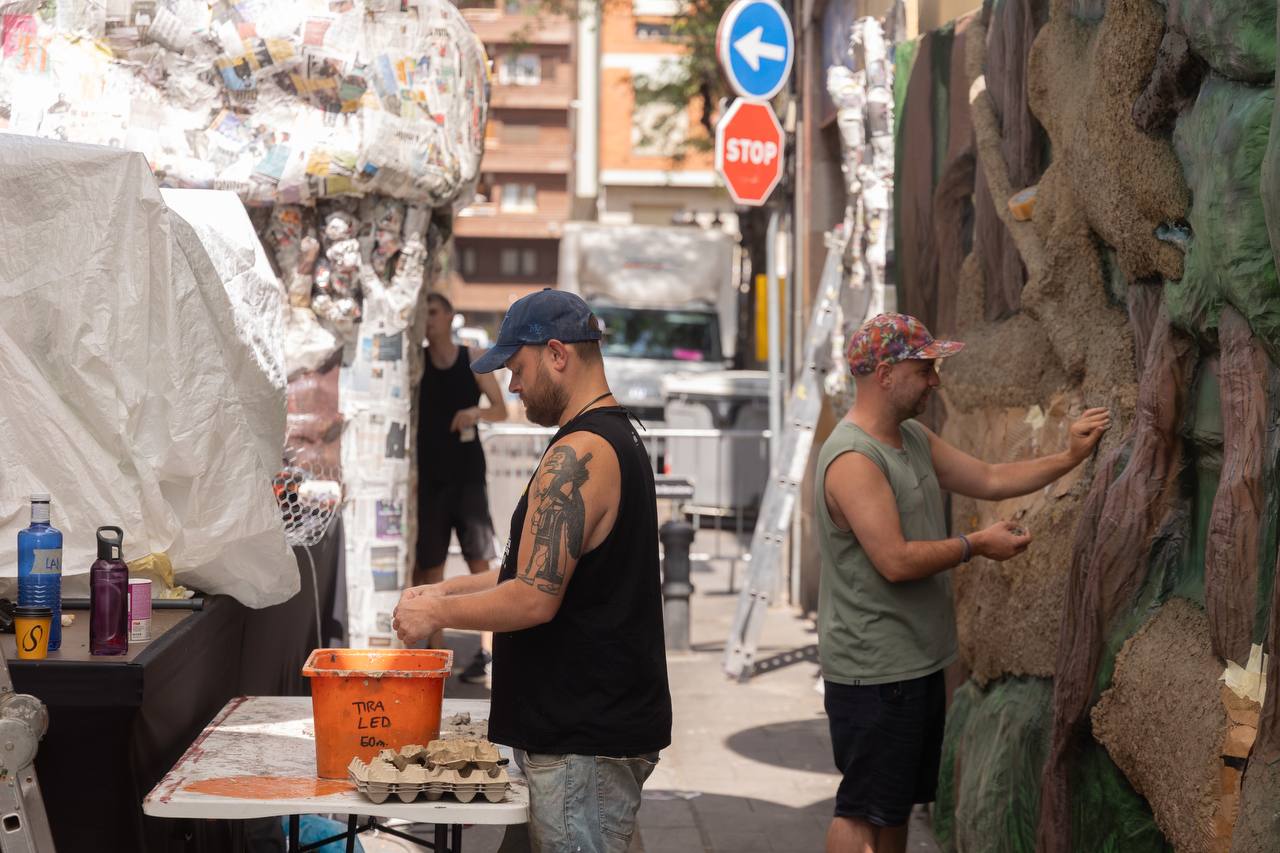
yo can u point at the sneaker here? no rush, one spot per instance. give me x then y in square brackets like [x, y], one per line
[477, 672]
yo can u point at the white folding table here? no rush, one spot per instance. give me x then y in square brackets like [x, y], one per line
[259, 756]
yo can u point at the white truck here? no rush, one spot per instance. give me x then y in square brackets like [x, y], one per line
[666, 297]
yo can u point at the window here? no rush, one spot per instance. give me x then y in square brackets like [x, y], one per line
[512, 7]
[509, 262]
[520, 69]
[652, 31]
[528, 262]
[468, 261]
[659, 334]
[519, 198]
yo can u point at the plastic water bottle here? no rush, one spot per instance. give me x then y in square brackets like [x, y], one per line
[40, 566]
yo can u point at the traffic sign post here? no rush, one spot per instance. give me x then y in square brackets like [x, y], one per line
[749, 149]
[756, 47]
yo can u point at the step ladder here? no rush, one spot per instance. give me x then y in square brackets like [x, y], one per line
[799, 421]
[24, 825]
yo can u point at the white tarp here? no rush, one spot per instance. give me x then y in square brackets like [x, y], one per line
[128, 391]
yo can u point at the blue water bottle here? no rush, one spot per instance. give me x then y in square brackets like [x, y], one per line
[40, 566]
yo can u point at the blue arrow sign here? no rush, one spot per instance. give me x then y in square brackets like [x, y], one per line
[756, 47]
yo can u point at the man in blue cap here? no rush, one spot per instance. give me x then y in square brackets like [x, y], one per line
[579, 663]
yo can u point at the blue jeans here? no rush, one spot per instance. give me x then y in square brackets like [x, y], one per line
[584, 803]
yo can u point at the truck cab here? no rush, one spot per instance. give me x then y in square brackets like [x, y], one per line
[643, 344]
[665, 296]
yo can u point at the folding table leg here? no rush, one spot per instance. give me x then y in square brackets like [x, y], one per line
[294, 820]
[442, 837]
[457, 839]
[351, 833]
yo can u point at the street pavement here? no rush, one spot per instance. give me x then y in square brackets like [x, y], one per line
[749, 768]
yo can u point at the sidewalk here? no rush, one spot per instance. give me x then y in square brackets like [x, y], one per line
[749, 768]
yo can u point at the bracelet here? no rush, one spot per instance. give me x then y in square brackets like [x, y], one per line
[968, 549]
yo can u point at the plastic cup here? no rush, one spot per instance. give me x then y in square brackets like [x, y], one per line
[31, 630]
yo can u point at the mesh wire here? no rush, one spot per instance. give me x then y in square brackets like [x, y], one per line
[309, 497]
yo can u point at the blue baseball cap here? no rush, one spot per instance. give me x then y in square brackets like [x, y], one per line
[548, 315]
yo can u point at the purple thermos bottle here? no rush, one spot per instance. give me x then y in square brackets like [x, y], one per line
[109, 596]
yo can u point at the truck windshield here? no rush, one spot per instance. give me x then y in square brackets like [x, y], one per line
[659, 334]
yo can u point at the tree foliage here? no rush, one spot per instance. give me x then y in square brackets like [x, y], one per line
[695, 78]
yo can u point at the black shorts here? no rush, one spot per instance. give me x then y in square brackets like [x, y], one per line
[887, 741]
[447, 507]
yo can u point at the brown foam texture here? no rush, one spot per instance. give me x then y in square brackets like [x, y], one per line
[1164, 724]
[1008, 614]
[1082, 84]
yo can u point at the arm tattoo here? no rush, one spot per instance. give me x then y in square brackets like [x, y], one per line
[559, 520]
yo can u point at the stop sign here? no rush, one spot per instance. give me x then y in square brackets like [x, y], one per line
[749, 151]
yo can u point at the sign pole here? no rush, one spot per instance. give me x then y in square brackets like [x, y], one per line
[775, 338]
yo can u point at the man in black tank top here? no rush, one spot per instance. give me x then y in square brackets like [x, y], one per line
[579, 665]
[451, 466]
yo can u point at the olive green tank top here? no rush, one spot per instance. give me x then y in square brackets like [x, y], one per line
[871, 631]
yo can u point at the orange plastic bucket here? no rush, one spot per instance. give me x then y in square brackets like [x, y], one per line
[367, 700]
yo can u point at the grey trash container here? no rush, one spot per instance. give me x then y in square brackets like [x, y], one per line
[728, 475]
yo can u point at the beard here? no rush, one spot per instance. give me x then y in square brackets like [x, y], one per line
[544, 402]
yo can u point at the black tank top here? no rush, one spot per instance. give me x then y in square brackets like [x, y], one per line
[593, 680]
[442, 455]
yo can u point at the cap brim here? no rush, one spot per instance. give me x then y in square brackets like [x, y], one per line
[938, 349]
[494, 358]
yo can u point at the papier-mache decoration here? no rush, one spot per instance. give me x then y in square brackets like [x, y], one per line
[287, 101]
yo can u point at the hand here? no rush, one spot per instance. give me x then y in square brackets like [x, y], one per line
[416, 619]
[465, 418]
[1086, 432]
[412, 592]
[1001, 541]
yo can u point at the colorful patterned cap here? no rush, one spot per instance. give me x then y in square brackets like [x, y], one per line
[891, 338]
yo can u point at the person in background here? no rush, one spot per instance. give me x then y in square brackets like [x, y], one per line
[451, 468]
[579, 667]
[886, 624]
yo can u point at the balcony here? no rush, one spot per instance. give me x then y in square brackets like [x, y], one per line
[493, 27]
[526, 159]
[494, 296]
[544, 225]
[546, 97]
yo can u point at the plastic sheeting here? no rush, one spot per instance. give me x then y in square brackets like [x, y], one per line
[132, 394]
[279, 101]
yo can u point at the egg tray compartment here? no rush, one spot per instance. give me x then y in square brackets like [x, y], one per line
[463, 769]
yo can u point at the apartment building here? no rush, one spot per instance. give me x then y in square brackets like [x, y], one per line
[507, 241]
[627, 170]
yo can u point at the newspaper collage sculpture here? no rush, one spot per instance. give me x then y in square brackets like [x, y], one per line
[342, 126]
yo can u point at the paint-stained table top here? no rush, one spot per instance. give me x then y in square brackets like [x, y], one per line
[257, 759]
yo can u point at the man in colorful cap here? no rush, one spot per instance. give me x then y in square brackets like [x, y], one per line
[886, 623]
[579, 661]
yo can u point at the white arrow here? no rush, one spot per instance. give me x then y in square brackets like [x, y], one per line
[753, 49]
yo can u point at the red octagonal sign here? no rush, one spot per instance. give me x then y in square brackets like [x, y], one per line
[749, 151]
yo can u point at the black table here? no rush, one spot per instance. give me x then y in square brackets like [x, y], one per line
[117, 724]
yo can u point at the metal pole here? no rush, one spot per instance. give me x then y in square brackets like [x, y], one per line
[676, 538]
[775, 343]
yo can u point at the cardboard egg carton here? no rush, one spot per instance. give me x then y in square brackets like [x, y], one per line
[463, 768]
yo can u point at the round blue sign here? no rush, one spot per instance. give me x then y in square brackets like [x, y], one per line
[757, 47]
